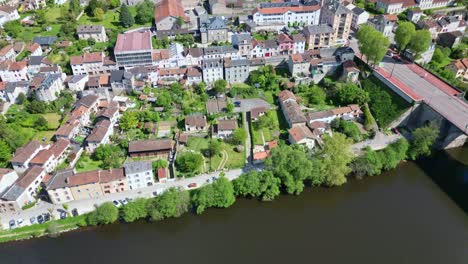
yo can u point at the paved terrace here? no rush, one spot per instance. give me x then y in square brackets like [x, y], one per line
[421, 85]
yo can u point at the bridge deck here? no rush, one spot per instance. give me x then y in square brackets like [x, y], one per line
[419, 83]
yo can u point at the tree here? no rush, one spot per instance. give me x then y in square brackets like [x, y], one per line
[420, 42]
[144, 12]
[171, 203]
[114, 4]
[316, 95]
[334, 158]
[220, 86]
[92, 5]
[348, 128]
[200, 88]
[41, 123]
[110, 155]
[41, 17]
[423, 141]
[369, 164]
[160, 163]
[372, 43]
[350, 93]
[107, 213]
[36, 107]
[368, 119]
[5, 153]
[219, 194]
[258, 184]
[293, 167]
[75, 7]
[230, 108]
[13, 28]
[67, 30]
[21, 98]
[98, 14]
[403, 34]
[134, 210]
[126, 18]
[239, 136]
[214, 148]
[129, 120]
[189, 162]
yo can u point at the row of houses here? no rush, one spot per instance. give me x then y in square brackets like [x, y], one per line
[308, 129]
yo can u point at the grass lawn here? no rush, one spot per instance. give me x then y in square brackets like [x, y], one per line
[40, 135]
[269, 97]
[86, 163]
[111, 19]
[236, 159]
[53, 119]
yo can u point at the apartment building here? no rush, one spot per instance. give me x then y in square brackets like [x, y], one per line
[287, 13]
[51, 85]
[339, 18]
[213, 29]
[319, 36]
[139, 174]
[133, 49]
[96, 32]
[242, 42]
[236, 70]
[92, 63]
[212, 70]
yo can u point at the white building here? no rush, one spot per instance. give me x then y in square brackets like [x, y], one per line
[92, 63]
[12, 71]
[139, 174]
[50, 88]
[8, 13]
[212, 70]
[7, 178]
[286, 13]
[96, 32]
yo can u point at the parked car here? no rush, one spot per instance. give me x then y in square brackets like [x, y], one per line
[12, 224]
[74, 212]
[123, 201]
[46, 217]
[63, 215]
[396, 57]
[192, 185]
[116, 203]
[40, 219]
[32, 220]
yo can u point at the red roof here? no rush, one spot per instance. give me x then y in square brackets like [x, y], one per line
[86, 58]
[161, 173]
[167, 8]
[133, 41]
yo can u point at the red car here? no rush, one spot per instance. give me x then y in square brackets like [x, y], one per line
[192, 185]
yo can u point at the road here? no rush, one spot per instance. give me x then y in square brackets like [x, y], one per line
[380, 141]
[88, 205]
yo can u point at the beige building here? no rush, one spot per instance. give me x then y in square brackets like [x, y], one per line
[214, 29]
[319, 36]
[298, 65]
[113, 181]
[85, 185]
[96, 32]
[339, 18]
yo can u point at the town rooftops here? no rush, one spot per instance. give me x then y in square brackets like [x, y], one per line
[283, 9]
[299, 133]
[4, 171]
[76, 78]
[66, 129]
[242, 38]
[111, 175]
[134, 41]
[219, 50]
[88, 100]
[45, 41]
[89, 29]
[286, 95]
[138, 166]
[319, 29]
[7, 9]
[356, 10]
[228, 62]
[227, 125]
[162, 173]
[194, 72]
[212, 63]
[255, 112]
[5, 50]
[194, 52]
[197, 120]
[298, 58]
[87, 58]
[213, 23]
[169, 8]
[298, 38]
[24, 153]
[216, 105]
[460, 64]
[149, 145]
[33, 47]
[294, 112]
[29, 176]
[99, 132]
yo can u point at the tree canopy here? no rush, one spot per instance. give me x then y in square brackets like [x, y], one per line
[334, 159]
[144, 12]
[129, 120]
[403, 34]
[350, 93]
[420, 42]
[258, 184]
[372, 43]
[107, 213]
[239, 136]
[134, 210]
[171, 203]
[423, 141]
[125, 17]
[218, 194]
[189, 162]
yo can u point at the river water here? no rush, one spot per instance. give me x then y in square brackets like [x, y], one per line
[417, 213]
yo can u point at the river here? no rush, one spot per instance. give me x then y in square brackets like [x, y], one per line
[414, 214]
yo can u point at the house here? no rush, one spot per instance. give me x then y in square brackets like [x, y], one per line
[339, 18]
[195, 123]
[85, 185]
[212, 70]
[213, 30]
[193, 56]
[219, 52]
[57, 187]
[50, 158]
[134, 49]
[215, 106]
[242, 42]
[23, 155]
[162, 175]
[431, 25]
[45, 42]
[160, 148]
[77, 83]
[110, 113]
[50, 87]
[301, 135]
[287, 13]
[167, 13]
[92, 63]
[264, 48]
[298, 65]
[23, 191]
[460, 68]
[121, 81]
[12, 71]
[263, 152]
[139, 174]
[451, 23]
[291, 110]
[113, 181]
[350, 71]
[29, 5]
[257, 112]
[414, 15]
[34, 49]
[96, 32]
[285, 44]
[383, 23]
[7, 178]
[450, 39]
[7, 53]
[236, 70]
[360, 16]
[13, 89]
[100, 134]
[36, 63]
[8, 13]
[392, 6]
[194, 75]
[69, 129]
[224, 128]
[319, 36]
[349, 112]
[299, 43]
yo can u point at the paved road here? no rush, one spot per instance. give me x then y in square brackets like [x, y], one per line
[437, 95]
[380, 141]
[88, 205]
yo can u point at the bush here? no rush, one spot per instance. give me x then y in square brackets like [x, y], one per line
[171, 203]
[107, 213]
[189, 162]
[349, 128]
[135, 210]
[219, 194]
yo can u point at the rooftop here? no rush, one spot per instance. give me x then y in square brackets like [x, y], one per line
[138, 166]
[149, 145]
[134, 41]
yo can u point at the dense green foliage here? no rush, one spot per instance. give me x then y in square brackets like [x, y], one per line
[171, 203]
[403, 34]
[423, 141]
[144, 12]
[350, 93]
[263, 185]
[420, 42]
[189, 162]
[107, 213]
[219, 194]
[126, 19]
[239, 136]
[264, 78]
[349, 128]
[311, 94]
[220, 86]
[385, 106]
[111, 156]
[135, 210]
[372, 43]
